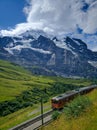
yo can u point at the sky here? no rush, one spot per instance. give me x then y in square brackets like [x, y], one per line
[76, 18]
[11, 13]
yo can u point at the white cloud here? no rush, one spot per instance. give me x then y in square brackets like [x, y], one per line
[64, 15]
[20, 28]
[58, 16]
[91, 19]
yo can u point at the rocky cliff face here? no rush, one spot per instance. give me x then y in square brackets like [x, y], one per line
[68, 57]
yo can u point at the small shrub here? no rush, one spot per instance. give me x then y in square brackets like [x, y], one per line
[55, 115]
[26, 104]
[76, 107]
[5, 113]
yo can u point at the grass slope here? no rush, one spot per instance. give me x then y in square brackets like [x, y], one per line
[14, 80]
[87, 121]
[22, 115]
[11, 80]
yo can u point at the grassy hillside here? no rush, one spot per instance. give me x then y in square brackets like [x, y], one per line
[11, 79]
[14, 79]
[86, 121]
[18, 89]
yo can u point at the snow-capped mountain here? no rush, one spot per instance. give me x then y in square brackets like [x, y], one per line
[48, 55]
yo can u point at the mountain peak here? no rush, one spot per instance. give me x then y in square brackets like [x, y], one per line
[80, 43]
[55, 39]
[64, 57]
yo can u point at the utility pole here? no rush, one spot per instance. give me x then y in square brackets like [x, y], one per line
[42, 110]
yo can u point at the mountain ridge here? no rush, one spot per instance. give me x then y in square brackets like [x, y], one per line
[67, 57]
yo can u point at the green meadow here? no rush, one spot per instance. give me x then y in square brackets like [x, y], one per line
[14, 80]
[20, 91]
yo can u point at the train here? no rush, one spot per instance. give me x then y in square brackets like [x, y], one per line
[60, 101]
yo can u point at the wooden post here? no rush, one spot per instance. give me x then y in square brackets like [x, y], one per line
[42, 110]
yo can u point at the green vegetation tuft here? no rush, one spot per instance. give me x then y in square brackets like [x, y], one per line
[77, 107]
[55, 115]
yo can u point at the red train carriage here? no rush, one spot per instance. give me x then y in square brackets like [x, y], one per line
[59, 102]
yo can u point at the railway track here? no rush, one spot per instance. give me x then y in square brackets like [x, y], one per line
[34, 123]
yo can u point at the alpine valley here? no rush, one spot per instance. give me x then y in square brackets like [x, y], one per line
[46, 55]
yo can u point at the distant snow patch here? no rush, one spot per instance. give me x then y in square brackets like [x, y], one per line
[26, 46]
[62, 44]
[93, 63]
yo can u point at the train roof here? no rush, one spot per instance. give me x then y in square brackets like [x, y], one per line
[88, 87]
[67, 94]
[70, 93]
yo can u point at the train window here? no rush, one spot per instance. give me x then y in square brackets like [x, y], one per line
[54, 101]
[77, 89]
[60, 96]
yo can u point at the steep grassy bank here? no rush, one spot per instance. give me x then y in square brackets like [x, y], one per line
[19, 90]
[14, 79]
[86, 121]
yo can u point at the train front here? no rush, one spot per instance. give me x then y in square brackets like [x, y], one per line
[55, 103]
